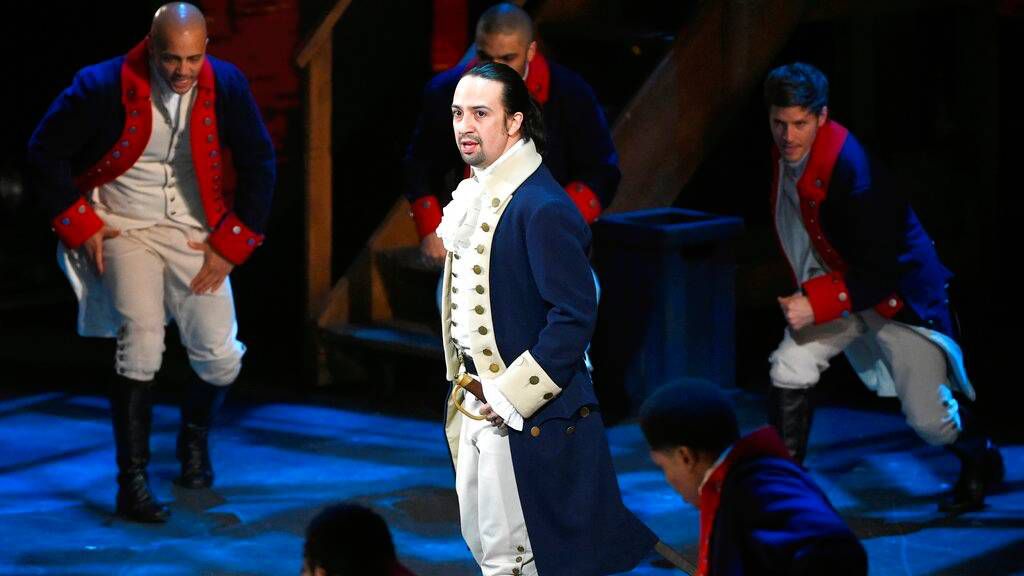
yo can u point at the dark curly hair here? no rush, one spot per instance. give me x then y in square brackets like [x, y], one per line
[515, 98]
[796, 84]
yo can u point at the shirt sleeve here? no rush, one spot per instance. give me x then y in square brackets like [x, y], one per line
[501, 406]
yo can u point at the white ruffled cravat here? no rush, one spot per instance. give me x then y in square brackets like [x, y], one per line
[459, 217]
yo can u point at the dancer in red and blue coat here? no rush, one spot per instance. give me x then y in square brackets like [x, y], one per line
[132, 160]
[760, 512]
[871, 285]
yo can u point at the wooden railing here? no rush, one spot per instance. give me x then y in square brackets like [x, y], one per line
[316, 59]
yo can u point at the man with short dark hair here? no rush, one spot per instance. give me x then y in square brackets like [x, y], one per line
[870, 285]
[533, 471]
[760, 513]
[580, 153]
[130, 161]
[348, 539]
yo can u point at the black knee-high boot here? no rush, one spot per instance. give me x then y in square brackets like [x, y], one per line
[791, 412]
[200, 405]
[981, 466]
[132, 410]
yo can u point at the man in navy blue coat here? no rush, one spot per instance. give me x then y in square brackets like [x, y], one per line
[579, 151]
[131, 160]
[760, 513]
[870, 285]
[537, 490]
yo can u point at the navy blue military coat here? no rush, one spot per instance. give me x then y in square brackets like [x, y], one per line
[98, 127]
[761, 514]
[864, 229]
[538, 294]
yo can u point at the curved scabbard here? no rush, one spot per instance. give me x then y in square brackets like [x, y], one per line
[460, 384]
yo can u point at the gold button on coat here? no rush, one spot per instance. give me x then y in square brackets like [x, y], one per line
[495, 367]
[487, 352]
[534, 380]
[570, 429]
[482, 330]
[495, 202]
[548, 396]
[479, 289]
[479, 309]
[535, 431]
[477, 269]
[480, 249]
[485, 227]
[584, 412]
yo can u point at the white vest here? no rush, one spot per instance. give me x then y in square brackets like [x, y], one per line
[162, 184]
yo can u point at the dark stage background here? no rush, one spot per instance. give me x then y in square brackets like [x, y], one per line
[929, 87]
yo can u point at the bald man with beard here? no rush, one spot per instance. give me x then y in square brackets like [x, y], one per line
[130, 160]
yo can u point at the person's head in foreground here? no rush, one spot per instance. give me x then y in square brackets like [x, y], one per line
[688, 424]
[348, 539]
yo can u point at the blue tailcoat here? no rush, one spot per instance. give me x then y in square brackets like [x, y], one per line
[98, 127]
[864, 228]
[774, 519]
[768, 517]
[542, 301]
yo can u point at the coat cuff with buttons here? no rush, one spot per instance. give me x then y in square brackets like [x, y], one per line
[585, 199]
[501, 406]
[233, 240]
[76, 224]
[890, 306]
[426, 212]
[829, 297]
[526, 385]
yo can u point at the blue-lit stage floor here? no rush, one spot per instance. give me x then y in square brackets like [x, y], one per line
[278, 464]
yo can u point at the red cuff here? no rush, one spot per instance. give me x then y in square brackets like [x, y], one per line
[828, 296]
[890, 306]
[76, 224]
[234, 240]
[426, 211]
[585, 200]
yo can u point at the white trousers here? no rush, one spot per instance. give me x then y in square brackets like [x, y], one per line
[918, 368]
[492, 517]
[148, 272]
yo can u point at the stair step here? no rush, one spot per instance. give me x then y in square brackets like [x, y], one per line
[395, 368]
[411, 287]
[396, 338]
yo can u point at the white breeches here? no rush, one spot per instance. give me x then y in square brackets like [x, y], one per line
[148, 272]
[492, 516]
[918, 368]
